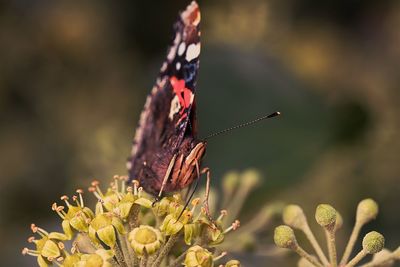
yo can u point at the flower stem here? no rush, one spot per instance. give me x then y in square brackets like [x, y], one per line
[304, 254]
[143, 261]
[310, 236]
[350, 244]
[126, 252]
[133, 217]
[165, 249]
[119, 255]
[356, 259]
[178, 261]
[330, 238]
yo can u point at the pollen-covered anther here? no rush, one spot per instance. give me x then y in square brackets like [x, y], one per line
[34, 228]
[235, 225]
[129, 189]
[61, 245]
[25, 251]
[65, 199]
[220, 256]
[140, 189]
[195, 201]
[188, 214]
[31, 239]
[54, 206]
[80, 193]
[95, 183]
[74, 247]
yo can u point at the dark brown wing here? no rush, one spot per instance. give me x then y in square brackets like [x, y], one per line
[166, 117]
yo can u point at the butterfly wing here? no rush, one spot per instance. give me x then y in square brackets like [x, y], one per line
[169, 112]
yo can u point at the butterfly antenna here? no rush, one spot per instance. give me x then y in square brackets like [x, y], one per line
[277, 113]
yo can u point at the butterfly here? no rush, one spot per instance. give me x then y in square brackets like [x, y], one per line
[166, 154]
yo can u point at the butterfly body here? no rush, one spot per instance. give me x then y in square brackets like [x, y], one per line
[166, 153]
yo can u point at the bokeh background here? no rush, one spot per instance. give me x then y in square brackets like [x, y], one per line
[74, 76]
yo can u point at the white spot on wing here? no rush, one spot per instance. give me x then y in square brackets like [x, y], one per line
[181, 49]
[172, 50]
[178, 65]
[175, 107]
[164, 67]
[192, 52]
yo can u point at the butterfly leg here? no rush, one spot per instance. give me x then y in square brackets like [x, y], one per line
[207, 193]
[165, 180]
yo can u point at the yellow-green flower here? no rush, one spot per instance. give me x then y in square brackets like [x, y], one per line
[198, 257]
[172, 225]
[145, 239]
[71, 260]
[119, 199]
[98, 259]
[48, 248]
[77, 217]
[103, 227]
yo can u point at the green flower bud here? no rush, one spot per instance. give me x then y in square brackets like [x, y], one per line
[170, 225]
[293, 216]
[72, 260]
[325, 215]
[250, 178]
[50, 249]
[144, 202]
[42, 262]
[162, 207]
[339, 221]
[233, 263]
[367, 210]
[215, 235]
[145, 239]
[384, 255]
[191, 231]
[98, 259]
[124, 205]
[103, 227]
[284, 237]
[230, 182]
[373, 242]
[197, 256]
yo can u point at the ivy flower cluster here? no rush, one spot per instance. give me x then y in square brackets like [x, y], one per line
[331, 221]
[127, 228]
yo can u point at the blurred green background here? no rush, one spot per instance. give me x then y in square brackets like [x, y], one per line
[74, 76]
